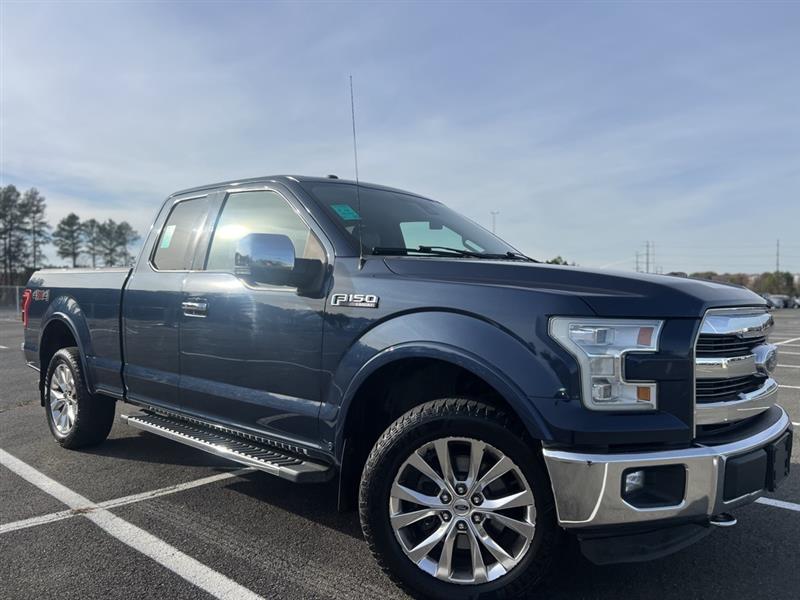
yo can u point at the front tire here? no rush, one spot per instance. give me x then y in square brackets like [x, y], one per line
[76, 417]
[455, 502]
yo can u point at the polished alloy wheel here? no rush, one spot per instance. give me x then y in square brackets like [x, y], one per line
[462, 511]
[63, 399]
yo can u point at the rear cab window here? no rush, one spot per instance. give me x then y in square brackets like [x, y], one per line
[174, 249]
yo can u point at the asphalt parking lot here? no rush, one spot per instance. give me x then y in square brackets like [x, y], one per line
[140, 516]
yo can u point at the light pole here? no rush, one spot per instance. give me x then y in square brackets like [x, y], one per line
[494, 214]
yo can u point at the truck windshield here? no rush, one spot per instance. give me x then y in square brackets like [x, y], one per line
[391, 222]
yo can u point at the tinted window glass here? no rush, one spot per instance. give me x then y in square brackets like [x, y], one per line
[389, 219]
[258, 212]
[428, 233]
[175, 246]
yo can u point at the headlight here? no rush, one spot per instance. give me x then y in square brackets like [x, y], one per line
[600, 346]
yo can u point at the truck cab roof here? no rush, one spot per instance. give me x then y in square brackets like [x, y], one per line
[288, 180]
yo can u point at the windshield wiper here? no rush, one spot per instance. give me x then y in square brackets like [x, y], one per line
[504, 256]
[433, 250]
[447, 251]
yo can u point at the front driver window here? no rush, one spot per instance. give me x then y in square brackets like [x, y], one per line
[260, 211]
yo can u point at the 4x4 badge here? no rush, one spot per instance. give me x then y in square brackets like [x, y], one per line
[355, 300]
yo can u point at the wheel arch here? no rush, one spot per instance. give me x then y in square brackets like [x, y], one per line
[475, 358]
[61, 331]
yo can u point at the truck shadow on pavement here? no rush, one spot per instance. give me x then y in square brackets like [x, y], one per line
[314, 501]
[148, 448]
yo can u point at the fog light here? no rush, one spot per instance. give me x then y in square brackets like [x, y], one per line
[634, 481]
[653, 487]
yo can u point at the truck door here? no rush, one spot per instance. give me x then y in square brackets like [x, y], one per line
[251, 353]
[151, 306]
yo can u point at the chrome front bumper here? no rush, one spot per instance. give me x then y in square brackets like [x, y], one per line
[588, 487]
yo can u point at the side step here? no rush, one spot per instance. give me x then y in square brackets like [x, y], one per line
[246, 452]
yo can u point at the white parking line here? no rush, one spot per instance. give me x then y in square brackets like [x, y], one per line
[3, 347]
[797, 339]
[183, 565]
[790, 387]
[790, 366]
[779, 504]
[117, 502]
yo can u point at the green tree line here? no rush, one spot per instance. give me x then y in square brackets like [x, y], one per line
[780, 282]
[25, 232]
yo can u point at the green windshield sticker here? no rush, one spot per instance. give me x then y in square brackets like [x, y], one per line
[166, 237]
[346, 212]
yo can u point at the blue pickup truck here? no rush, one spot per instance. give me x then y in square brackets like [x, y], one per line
[478, 407]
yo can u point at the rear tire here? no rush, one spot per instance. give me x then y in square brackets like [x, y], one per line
[465, 561]
[76, 417]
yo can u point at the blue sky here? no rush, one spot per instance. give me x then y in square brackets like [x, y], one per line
[591, 127]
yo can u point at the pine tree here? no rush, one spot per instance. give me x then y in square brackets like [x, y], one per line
[91, 238]
[68, 238]
[33, 208]
[108, 242]
[126, 236]
[13, 243]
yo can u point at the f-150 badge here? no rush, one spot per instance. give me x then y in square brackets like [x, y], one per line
[355, 300]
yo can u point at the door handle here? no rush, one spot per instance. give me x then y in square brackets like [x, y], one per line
[196, 307]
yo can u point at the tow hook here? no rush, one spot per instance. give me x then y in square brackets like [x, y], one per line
[723, 520]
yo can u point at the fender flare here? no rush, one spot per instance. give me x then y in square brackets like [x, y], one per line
[66, 310]
[512, 367]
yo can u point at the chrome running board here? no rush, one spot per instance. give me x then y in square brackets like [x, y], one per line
[240, 450]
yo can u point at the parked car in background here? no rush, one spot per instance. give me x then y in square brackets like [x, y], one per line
[773, 301]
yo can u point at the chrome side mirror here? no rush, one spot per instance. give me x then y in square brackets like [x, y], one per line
[265, 258]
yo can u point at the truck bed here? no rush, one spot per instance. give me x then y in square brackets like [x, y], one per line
[88, 303]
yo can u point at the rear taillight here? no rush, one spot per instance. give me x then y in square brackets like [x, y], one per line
[26, 303]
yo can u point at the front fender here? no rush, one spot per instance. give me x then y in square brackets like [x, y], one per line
[512, 367]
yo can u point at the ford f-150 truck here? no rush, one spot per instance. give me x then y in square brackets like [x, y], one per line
[476, 405]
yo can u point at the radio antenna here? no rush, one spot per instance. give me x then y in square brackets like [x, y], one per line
[358, 195]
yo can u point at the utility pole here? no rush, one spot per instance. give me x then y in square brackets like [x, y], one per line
[637, 261]
[653, 256]
[494, 214]
[647, 256]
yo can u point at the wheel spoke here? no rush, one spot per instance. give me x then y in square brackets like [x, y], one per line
[62, 419]
[406, 519]
[421, 465]
[443, 454]
[476, 449]
[523, 498]
[495, 549]
[500, 468]
[445, 566]
[521, 527]
[478, 566]
[402, 492]
[61, 379]
[420, 551]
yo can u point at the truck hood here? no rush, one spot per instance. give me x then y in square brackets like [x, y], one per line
[607, 293]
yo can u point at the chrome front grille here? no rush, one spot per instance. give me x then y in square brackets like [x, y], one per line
[727, 345]
[733, 360]
[716, 390]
